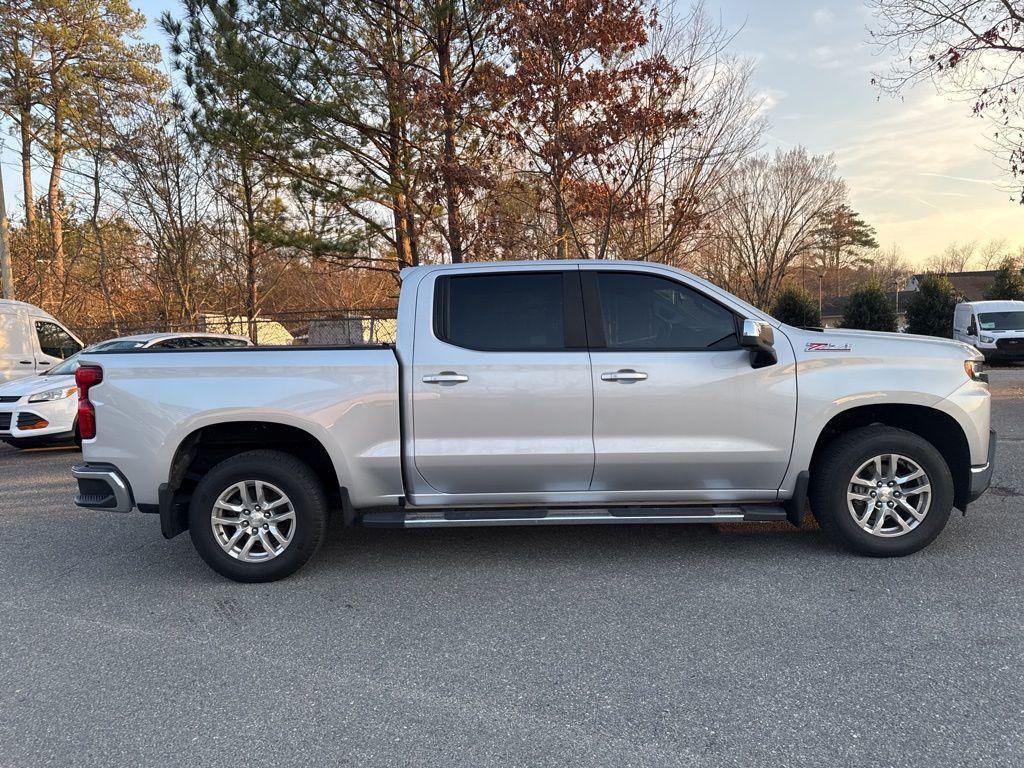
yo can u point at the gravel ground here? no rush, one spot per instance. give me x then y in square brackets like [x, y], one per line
[747, 646]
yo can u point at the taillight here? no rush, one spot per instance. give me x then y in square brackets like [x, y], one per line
[85, 377]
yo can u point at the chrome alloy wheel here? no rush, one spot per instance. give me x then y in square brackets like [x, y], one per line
[253, 521]
[889, 495]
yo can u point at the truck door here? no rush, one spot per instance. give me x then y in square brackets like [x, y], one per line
[502, 399]
[677, 405]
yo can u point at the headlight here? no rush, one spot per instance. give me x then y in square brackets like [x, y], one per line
[986, 339]
[53, 394]
[976, 370]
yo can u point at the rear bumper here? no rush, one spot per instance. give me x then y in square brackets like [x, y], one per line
[102, 486]
[981, 477]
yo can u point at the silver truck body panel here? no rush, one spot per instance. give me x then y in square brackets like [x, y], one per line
[534, 428]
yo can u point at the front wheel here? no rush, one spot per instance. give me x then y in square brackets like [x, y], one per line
[258, 516]
[881, 491]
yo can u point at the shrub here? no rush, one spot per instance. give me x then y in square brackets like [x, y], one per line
[868, 308]
[930, 309]
[795, 306]
[1008, 283]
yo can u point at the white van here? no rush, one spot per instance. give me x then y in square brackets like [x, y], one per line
[31, 340]
[995, 328]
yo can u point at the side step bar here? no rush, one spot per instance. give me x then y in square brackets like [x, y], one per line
[452, 518]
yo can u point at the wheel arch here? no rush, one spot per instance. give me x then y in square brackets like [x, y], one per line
[208, 445]
[936, 426]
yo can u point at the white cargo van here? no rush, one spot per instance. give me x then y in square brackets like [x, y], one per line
[31, 340]
[995, 328]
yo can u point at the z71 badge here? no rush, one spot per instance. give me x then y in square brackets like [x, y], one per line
[825, 346]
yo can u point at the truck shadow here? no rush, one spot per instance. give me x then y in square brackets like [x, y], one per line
[579, 544]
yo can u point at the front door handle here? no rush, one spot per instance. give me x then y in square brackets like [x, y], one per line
[626, 375]
[446, 377]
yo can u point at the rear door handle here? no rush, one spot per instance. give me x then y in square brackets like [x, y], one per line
[626, 375]
[446, 377]
[24, 362]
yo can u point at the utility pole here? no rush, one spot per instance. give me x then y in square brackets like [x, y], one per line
[6, 281]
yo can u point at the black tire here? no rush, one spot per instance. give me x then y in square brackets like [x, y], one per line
[289, 474]
[831, 475]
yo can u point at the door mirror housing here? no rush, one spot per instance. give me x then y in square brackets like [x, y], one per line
[759, 337]
[972, 329]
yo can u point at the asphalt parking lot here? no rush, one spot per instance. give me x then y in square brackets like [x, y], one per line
[621, 646]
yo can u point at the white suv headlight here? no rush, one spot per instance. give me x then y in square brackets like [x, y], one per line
[53, 394]
[986, 339]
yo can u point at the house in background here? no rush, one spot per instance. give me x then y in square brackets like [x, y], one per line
[972, 285]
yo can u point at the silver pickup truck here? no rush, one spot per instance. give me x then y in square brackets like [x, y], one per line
[541, 393]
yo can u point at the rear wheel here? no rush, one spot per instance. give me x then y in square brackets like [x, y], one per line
[881, 491]
[258, 516]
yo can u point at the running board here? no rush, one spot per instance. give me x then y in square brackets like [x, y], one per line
[454, 518]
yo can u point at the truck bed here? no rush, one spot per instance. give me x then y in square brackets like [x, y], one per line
[151, 401]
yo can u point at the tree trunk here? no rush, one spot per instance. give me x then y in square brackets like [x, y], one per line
[101, 246]
[449, 157]
[53, 191]
[251, 293]
[404, 222]
[25, 124]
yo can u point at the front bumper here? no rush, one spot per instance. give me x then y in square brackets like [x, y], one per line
[981, 477]
[53, 421]
[102, 486]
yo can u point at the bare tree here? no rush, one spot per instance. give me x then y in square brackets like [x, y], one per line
[669, 192]
[955, 257]
[772, 211]
[993, 253]
[160, 181]
[969, 49]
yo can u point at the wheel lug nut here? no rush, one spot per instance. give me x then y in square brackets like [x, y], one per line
[266, 527]
[892, 504]
[873, 494]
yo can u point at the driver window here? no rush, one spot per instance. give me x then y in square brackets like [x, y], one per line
[646, 312]
[55, 341]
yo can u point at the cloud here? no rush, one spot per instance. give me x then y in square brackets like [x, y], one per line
[768, 98]
[919, 175]
[823, 17]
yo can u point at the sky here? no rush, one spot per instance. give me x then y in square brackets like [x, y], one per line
[917, 168]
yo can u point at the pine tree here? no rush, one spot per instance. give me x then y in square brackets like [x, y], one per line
[868, 308]
[1008, 283]
[930, 309]
[795, 306]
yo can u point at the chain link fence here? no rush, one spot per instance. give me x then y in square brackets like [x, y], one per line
[332, 327]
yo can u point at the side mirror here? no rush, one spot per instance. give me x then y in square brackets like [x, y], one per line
[972, 329]
[759, 338]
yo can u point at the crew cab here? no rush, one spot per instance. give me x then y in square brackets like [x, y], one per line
[541, 393]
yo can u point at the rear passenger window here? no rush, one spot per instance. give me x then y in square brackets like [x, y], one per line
[518, 311]
[646, 312]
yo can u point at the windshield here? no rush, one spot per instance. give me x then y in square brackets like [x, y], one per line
[67, 367]
[116, 345]
[1001, 321]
